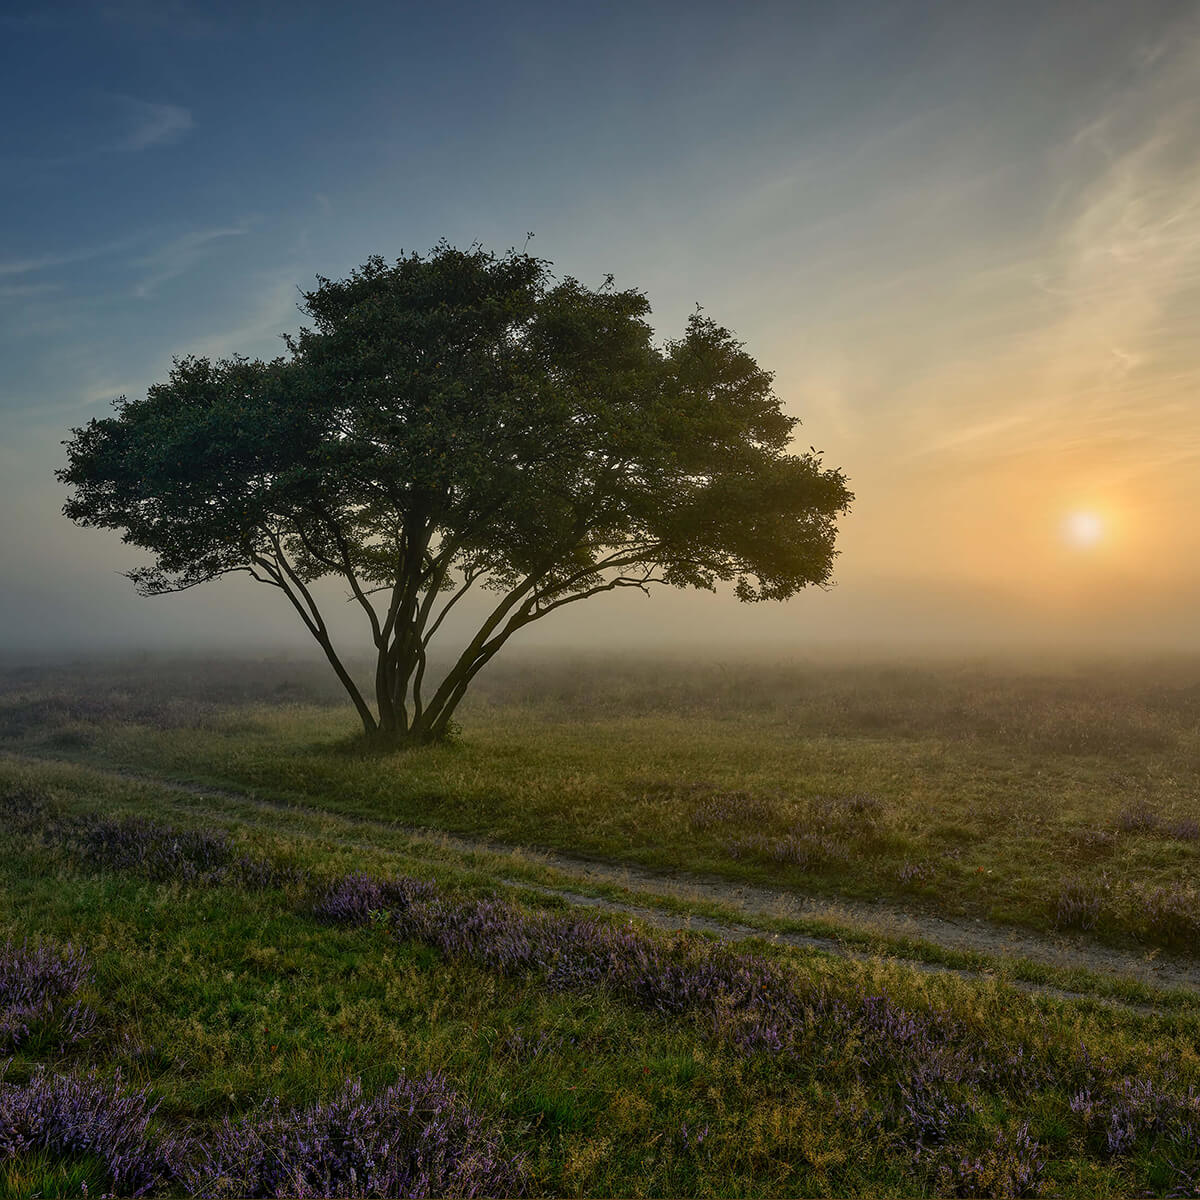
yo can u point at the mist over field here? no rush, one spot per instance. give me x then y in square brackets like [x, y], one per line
[883, 621]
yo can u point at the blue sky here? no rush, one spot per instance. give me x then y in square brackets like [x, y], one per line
[966, 236]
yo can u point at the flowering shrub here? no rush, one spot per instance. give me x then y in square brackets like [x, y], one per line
[1090, 845]
[164, 852]
[1171, 914]
[22, 809]
[930, 1077]
[1138, 818]
[814, 843]
[1011, 1167]
[150, 848]
[1186, 829]
[757, 1007]
[1125, 1113]
[416, 1138]
[914, 874]
[841, 810]
[929, 1112]
[352, 899]
[728, 808]
[37, 984]
[1079, 906]
[741, 998]
[67, 1116]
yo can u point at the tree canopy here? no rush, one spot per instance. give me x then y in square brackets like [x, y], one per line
[455, 421]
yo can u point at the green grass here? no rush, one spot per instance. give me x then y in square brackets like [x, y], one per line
[218, 998]
[347, 844]
[997, 788]
[1001, 785]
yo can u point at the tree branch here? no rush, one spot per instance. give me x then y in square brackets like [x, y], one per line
[348, 571]
[641, 584]
[294, 588]
[469, 577]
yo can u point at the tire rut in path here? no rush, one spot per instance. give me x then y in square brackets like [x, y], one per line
[888, 920]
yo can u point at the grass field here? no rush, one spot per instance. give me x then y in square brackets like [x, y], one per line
[1060, 799]
[218, 958]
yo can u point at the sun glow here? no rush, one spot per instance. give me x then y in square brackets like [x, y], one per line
[1083, 529]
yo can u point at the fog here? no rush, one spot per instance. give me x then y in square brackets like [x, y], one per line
[79, 604]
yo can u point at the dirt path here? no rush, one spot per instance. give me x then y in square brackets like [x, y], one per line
[881, 918]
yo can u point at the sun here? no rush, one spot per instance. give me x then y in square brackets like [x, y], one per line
[1083, 529]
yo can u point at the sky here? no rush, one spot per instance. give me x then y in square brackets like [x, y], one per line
[964, 236]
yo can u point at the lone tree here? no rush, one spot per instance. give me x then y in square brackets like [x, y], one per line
[462, 420]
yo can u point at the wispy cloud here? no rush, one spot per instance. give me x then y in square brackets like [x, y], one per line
[16, 291]
[1128, 259]
[119, 124]
[1092, 326]
[272, 311]
[986, 431]
[152, 124]
[169, 260]
[180, 255]
[92, 373]
[30, 264]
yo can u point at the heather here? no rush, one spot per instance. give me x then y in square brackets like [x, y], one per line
[941, 1068]
[943, 1093]
[39, 986]
[166, 852]
[415, 1138]
[151, 848]
[87, 1117]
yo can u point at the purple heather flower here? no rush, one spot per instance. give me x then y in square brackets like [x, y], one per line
[64, 1116]
[416, 1138]
[37, 984]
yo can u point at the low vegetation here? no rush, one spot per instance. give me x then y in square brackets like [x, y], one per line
[1059, 799]
[204, 996]
[270, 1011]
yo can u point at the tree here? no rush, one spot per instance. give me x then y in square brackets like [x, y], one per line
[457, 421]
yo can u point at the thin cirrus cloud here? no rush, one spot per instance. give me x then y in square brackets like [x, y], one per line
[134, 126]
[168, 261]
[179, 256]
[1090, 328]
[272, 309]
[33, 264]
[21, 291]
[152, 124]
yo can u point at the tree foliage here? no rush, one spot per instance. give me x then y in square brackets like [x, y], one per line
[462, 421]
